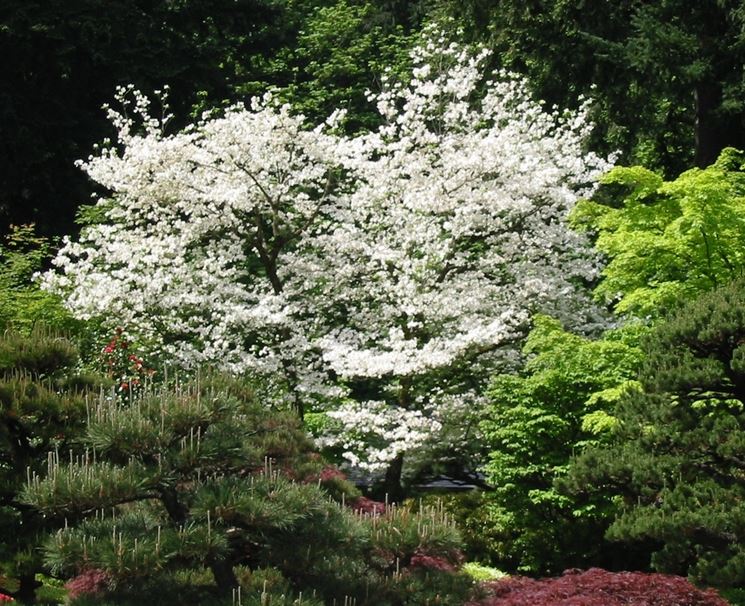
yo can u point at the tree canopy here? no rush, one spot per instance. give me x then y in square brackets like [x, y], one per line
[666, 76]
[561, 403]
[667, 241]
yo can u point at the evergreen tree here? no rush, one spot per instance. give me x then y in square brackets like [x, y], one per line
[676, 460]
[41, 408]
[204, 479]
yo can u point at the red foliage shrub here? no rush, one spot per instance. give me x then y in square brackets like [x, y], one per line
[596, 587]
[429, 562]
[331, 473]
[89, 582]
[327, 474]
[365, 505]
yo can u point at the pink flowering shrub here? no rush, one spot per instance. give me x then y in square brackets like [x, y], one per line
[6, 598]
[596, 587]
[122, 365]
[92, 582]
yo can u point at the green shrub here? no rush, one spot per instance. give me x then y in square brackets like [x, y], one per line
[23, 304]
[560, 404]
[479, 572]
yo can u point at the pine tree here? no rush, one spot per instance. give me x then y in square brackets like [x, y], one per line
[203, 481]
[41, 408]
[677, 459]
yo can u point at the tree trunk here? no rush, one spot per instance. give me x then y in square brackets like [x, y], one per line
[293, 381]
[224, 576]
[26, 593]
[176, 510]
[392, 487]
[709, 136]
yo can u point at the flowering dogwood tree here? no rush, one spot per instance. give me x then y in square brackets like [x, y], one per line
[387, 273]
[190, 253]
[454, 235]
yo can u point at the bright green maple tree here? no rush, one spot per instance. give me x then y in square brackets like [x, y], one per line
[537, 420]
[668, 240]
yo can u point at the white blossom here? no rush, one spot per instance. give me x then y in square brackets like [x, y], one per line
[400, 256]
[372, 433]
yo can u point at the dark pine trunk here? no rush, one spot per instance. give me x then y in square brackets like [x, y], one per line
[176, 510]
[27, 586]
[224, 576]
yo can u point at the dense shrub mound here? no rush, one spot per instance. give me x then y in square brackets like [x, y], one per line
[596, 587]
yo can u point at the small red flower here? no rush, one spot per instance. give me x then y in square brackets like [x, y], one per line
[125, 367]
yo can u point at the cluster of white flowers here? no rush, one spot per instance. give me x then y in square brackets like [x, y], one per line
[254, 243]
[372, 433]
